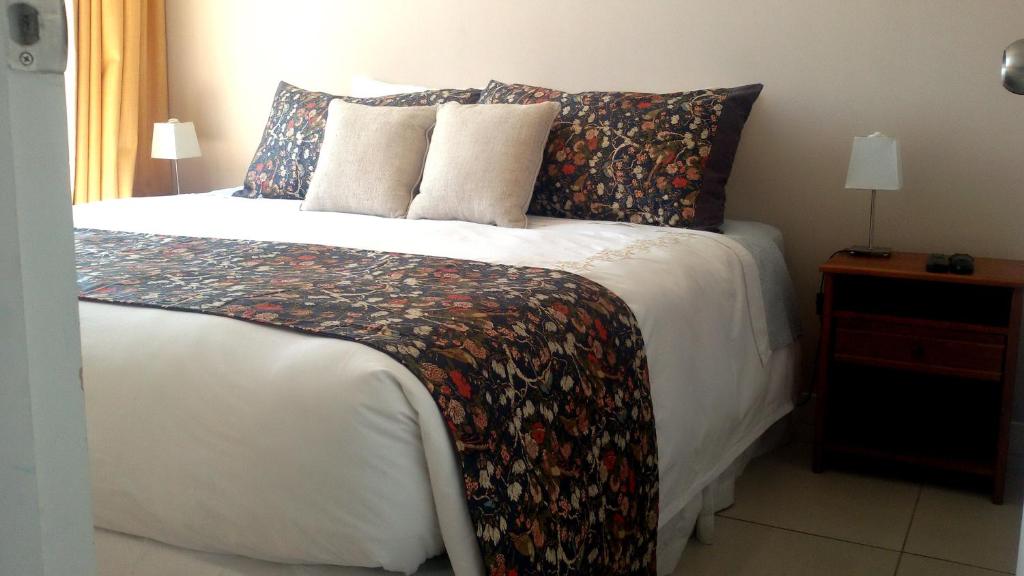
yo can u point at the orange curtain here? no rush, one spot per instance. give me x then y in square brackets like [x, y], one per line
[122, 91]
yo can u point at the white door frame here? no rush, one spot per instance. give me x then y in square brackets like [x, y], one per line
[45, 507]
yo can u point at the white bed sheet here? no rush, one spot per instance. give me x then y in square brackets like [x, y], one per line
[224, 436]
[124, 555]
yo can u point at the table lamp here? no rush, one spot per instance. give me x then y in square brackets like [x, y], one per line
[874, 165]
[175, 140]
[1013, 67]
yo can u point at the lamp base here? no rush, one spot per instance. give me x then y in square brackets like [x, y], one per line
[869, 251]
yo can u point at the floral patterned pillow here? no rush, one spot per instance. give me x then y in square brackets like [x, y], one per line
[290, 148]
[660, 159]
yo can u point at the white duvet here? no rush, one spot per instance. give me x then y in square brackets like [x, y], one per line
[225, 436]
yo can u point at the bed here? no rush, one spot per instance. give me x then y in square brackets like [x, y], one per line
[226, 447]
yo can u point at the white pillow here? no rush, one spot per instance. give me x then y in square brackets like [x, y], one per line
[365, 87]
[371, 159]
[483, 162]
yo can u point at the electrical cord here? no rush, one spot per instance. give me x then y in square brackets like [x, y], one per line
[805, 396]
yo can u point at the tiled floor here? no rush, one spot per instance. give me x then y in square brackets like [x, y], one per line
[788, 521]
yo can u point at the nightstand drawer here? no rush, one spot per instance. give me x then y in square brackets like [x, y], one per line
[920, 348]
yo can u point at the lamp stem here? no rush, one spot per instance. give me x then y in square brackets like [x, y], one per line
[177, 188]
[871, 224]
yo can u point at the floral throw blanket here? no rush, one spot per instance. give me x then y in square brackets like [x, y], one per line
[540, 375]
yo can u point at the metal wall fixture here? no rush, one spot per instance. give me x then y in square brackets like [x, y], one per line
[1013, 67]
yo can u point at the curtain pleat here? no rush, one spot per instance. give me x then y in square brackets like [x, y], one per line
[122, 91]
[152, 177]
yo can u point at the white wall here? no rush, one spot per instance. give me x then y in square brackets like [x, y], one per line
[926, 71]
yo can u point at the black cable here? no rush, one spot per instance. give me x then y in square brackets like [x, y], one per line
[821, 281]
[805, 397]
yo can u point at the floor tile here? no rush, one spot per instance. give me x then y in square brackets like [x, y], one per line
[781, 490]
[744, 549]
[966, 527]
[911, 565]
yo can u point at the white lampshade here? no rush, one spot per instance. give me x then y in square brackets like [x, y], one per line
[174, 140]
[875, 163]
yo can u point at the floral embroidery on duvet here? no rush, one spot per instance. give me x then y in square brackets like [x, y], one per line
[540, 375]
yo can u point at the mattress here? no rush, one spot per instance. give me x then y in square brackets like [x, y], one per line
[216, 435]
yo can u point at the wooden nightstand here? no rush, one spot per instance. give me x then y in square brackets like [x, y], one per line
[917, 368]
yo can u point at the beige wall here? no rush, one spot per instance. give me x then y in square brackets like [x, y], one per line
[926, 71]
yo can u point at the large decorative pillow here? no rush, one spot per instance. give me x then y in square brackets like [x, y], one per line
[371, 160]
[288, 152]
[661, 159]
[483, 163]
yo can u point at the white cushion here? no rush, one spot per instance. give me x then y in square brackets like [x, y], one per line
[365, 87]
[371, 159]
[483, 163]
